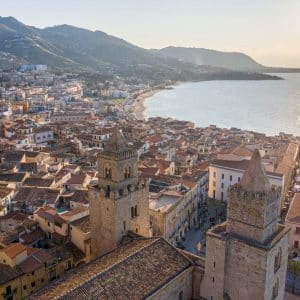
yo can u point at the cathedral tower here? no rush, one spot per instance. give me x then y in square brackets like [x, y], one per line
[246, 257]
[120, 202]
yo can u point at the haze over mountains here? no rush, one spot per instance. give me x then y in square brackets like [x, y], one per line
[69, 48]
[231, 60]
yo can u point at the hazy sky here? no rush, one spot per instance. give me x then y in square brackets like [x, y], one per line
[268, 30]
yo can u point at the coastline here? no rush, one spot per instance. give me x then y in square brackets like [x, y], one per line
[139, 103]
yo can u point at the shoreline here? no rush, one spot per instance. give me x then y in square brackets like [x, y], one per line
[138, 105]
[138, 111]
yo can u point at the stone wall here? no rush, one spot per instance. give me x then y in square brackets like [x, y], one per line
[182, 283]
[212, 285]
[111, 218]
[253, 215]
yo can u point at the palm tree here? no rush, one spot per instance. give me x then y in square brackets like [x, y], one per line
[294, 270]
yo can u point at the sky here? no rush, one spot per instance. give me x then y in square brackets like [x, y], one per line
[267, 30]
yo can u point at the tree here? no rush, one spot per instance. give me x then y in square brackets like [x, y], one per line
[294, 270]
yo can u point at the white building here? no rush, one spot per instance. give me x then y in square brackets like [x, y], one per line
[43, 135]
[224, 173]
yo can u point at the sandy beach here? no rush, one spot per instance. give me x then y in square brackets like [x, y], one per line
[139, 105]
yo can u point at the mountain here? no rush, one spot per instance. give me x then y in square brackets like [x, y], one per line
[69, 48]
[230, 60]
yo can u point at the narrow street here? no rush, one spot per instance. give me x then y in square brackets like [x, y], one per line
[213, 213]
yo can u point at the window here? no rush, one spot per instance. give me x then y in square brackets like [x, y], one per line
[230, 178]
[222, 176]
[135, 211]
[214, 184]
[277, 260]
[107, 173]
[214, 174]
[214, 264]
[33, 284]
[297, 230]
[107, 191]
[213, 279]
[8, 290]
[222, 185]
[296, 244]
[180, 296]
[24, 287]
[275, 289]
[124, 225]
[239, 179]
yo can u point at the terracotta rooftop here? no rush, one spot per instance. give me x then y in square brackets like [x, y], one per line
[12, 177]
[36, 197]
[36, 181]
[132, 271]
[238, 165]
[13, 249]
[36, 259]
[255, 178]
[8, 273]
[293, 214]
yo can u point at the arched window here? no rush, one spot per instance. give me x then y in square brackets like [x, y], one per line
[132, 212]
[107, 173]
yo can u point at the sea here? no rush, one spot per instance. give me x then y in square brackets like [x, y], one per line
[266, 106]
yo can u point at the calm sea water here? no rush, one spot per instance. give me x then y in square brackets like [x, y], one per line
[269, 106]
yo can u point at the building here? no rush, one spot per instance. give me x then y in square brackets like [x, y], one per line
[173, 213]
[120, 201]
[246, 257]
[43, 135]
[225, 173]
[144, 268]
[24, 270]
[70, 117]
[293, 221]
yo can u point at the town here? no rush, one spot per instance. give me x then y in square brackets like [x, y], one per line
[166, 188]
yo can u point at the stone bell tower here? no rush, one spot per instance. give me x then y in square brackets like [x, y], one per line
[246, 257]
[120, 202]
